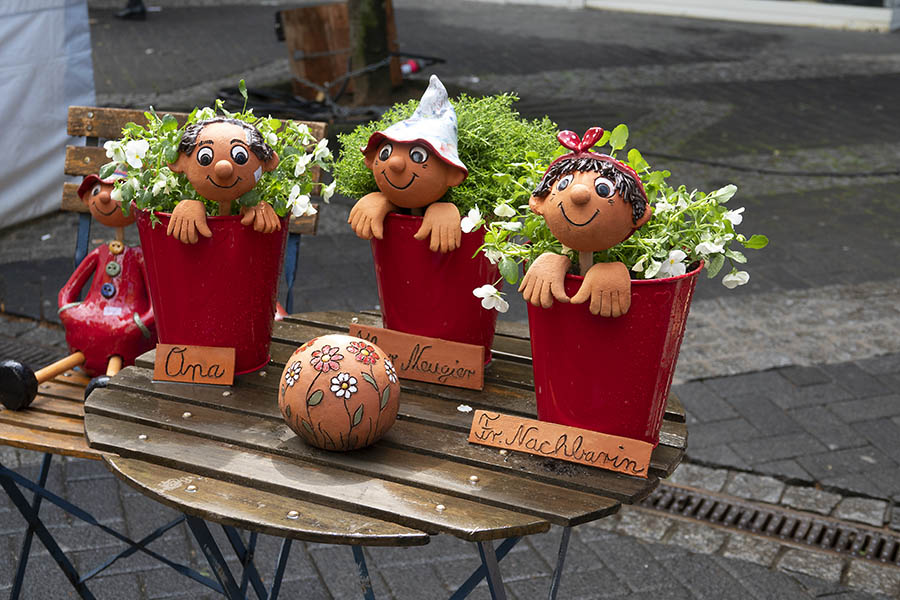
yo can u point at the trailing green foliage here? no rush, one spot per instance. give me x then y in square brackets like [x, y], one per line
[492, 141]
[145, 152]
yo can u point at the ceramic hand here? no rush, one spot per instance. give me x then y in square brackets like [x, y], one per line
[188, 219]
[262, 217]
[608, 287]
[545, 280]
[367, 215]
[441, 222]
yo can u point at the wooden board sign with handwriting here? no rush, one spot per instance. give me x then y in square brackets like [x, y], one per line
[428, 359]
[552, 440]
[194, 364]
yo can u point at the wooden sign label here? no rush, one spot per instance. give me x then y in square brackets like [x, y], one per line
[194, 364]
[552, 440]
[428, 359]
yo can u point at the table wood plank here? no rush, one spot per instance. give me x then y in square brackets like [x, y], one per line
[45, 441]
[260, 511]
[55, 406]
[42, 422]
[57, 389]
[560, 506]
[407, 506]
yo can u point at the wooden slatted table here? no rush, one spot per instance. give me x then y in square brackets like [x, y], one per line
[226, 455]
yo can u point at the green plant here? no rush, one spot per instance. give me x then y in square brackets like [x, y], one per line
[146, 151]
[492, 138]
[686, 227]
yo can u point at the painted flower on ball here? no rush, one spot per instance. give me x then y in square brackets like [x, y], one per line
[364, 353]
[293, 374]
[326, 359]
[490, 298]
[343, 385]
[390, 370]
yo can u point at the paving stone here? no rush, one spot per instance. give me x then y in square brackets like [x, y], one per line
[98, 497]
[719, 456]
[755, 487]
[883, 434]
[788, 469]
[698, 476]
[312, 589]
[697, 537]
[702, 403]
[420, 581]
[862, 510]
[578, 556]
[643, 525]
[767, 383]
[872, 577]
[815, 564]
[764, 415]
[751, 548]
[860, 383]
[630, 560]
[802, 376]
[703, 576]
[766, 449]
[764, 583]
[825, 426]
[812, 395]
[895, 517]
[867, 409]
[880, 365]
[124, 585]
[721, 432]
[842, 462]
[810, 499]
[595, 583]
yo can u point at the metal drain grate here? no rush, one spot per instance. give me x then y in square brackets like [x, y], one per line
[31, 354]
[799, 528]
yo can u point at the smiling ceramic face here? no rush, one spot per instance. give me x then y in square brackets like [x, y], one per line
[222, 167]
[104, 209]
[410, 174]
[584, 211]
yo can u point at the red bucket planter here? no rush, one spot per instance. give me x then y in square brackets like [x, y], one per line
[220, 291]
[610, 375]
[429, 293]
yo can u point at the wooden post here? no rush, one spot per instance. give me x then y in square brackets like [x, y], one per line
[369, 46]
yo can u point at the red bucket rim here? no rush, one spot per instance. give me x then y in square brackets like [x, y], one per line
[168, 215]
[691, 273]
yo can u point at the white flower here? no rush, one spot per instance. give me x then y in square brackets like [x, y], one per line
[709, 247]
[115, 151]
[471, 221]
[673, 265]
[205, 113]
[160, 186]
[639, 265]
[651, 271]
[510, 225]
[661, 207]
[328, 191]
[271, 139]
[135, 150]
[504, 210]
[302, 161]
[735, 216]
[299, 203]
[493, 255]
[321, 151]
[735, 278]
[116, 194]
[343, 385]
[490, 298]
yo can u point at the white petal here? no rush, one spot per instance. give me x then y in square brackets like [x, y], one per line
[504, 210]
[735, 278]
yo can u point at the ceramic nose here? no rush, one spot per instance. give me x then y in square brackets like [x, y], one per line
[580, 194]
[223, 169]
[396, 164]
[103, 198]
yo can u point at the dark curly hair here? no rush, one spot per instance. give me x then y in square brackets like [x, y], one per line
[626, 185]
[255, 140]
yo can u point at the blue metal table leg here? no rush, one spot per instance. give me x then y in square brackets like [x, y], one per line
[291, 258]
[216, 561]
[29, 532]
[364, 581]
[560, 561]
[245, 555]
[279, 569]
[475, 578]
[17, 498]
[494, 579]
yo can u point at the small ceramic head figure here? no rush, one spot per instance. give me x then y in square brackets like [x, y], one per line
[414, 162]
[96, 193]
[223, 159]
[590, 202]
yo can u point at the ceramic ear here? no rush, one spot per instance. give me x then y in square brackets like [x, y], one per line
[272, 163]
[455, 177]
[180, 163]
[536, 203]
[648, 212]
[369, 159]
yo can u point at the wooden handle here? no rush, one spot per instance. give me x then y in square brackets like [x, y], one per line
[60, 366]
[114, 365]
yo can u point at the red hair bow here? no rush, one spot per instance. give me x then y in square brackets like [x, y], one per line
[570, 139]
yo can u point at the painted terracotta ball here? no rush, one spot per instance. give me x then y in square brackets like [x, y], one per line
[339, 392]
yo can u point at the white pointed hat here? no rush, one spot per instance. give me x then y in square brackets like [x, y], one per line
[433, 122]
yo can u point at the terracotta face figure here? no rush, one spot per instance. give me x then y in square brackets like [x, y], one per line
[410, 174]
[103, 208]
[222, 166]
[585, 211]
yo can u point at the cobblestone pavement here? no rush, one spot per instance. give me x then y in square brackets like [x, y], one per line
[790, 383]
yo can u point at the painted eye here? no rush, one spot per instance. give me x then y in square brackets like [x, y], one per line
[385, 152]
[95, 191]
[239, 155]
[564, 183]
[205, 156]
[604, 187]
[418, 154]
